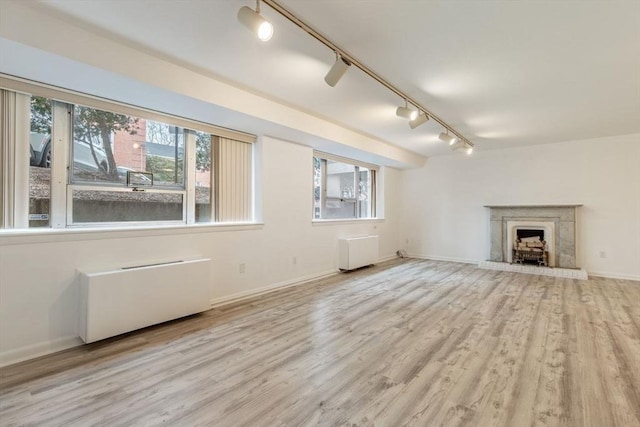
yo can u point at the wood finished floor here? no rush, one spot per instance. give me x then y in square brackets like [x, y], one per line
[409, 342]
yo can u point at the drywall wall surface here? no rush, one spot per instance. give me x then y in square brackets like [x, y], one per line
[39, 299]
[84, 61]
[444, 217]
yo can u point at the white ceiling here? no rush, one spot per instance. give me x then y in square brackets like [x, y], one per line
[503, 73]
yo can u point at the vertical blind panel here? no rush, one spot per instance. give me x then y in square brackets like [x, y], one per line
[233, 180]
[7, 156]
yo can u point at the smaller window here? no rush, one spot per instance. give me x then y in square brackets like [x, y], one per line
[342, 189]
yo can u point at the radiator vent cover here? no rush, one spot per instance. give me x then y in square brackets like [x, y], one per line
[122, 300]
[357, 252]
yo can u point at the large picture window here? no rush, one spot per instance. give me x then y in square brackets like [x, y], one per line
[343, 189]
[101, 163]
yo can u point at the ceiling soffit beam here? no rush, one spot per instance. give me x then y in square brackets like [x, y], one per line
[368, 71]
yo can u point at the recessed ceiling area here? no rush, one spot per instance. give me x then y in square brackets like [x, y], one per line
[503, 74]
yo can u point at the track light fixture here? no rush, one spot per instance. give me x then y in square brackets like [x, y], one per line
[337, 70]
[255, 22]
[462, 146]
[406, 112]
[422, 118]
[451, 140]
[344, 60]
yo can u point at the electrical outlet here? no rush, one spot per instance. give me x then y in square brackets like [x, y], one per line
[294, 260]
[406, 242]
[603, 254]
[241, 268]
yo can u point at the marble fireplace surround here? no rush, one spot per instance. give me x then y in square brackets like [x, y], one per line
[562, 216]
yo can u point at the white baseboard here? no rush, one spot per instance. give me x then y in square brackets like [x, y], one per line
[442, 258]
[609, 275]
[388, 258]
[217, 302]
[36, 350]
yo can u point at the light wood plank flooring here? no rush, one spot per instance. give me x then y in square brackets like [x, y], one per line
[408, 342]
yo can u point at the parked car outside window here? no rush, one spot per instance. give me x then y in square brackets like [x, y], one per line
[82, 158]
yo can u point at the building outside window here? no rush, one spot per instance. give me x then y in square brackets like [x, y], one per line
[343, 188]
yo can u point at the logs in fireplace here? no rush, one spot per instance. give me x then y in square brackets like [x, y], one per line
[530, 250]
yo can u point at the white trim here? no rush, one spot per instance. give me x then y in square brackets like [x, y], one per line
[36, 350]
[21, 166]
[241, 296]
[347, 160]
[22, 85]
[217, 302]
[609, 275]
[60, 154]
[388, 258]
[339, 221]
[36, 235]
[190, 171]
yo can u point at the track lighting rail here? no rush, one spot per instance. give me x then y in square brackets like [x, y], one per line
[346, 55]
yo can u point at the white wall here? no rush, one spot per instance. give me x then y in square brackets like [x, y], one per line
[81, 60]
[444, 218]
[38, 286]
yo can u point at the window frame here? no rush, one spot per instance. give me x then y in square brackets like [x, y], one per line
[63, 185]
[374, 170]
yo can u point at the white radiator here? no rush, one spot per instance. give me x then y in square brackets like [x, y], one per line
[357, 252]
[123, 300]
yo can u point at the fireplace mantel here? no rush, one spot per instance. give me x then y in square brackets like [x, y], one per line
[562, 215]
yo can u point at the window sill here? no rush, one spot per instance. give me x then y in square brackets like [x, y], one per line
[34, 235]
[321, 222]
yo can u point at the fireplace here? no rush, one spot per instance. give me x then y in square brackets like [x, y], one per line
[545, 230]
[556, 224]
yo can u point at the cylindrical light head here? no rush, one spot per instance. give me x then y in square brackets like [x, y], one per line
[256, 23]
[462, 146]
[450, 139]
[337, 71]
[457, 145]
[407, 113]
[422, 118]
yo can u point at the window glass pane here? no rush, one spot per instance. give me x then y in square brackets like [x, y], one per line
[125, 206]
[342, 190]
[340, 180]
[164, 150]
[204, 207]
[40, 162]
[317, 186]
[336, 208]
[364, 191]
[107, 145]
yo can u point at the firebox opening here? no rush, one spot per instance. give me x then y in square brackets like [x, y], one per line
[530, 247]
[526, 233]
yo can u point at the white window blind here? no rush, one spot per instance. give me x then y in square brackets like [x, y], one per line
[233, 180]
[14, 159]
